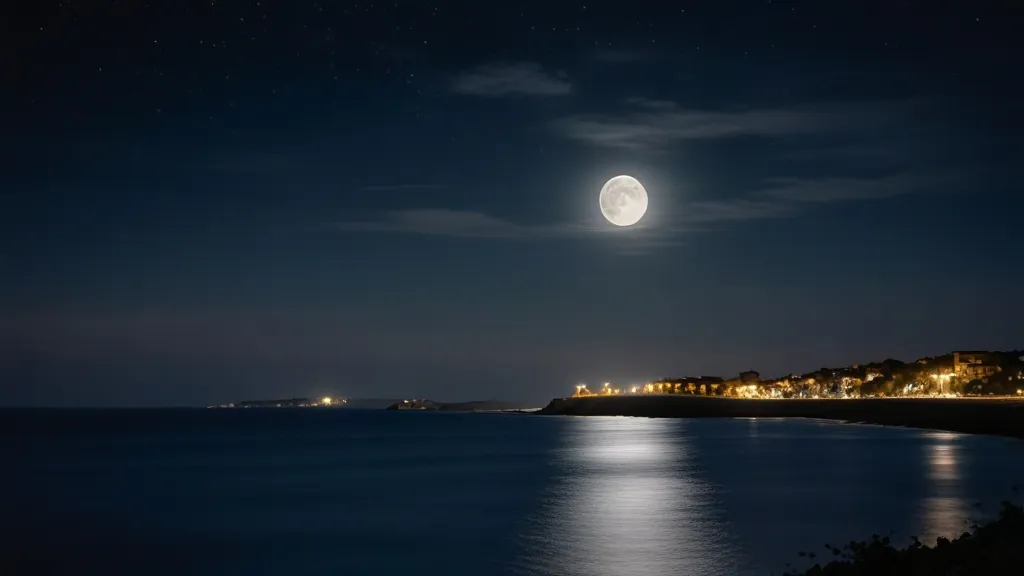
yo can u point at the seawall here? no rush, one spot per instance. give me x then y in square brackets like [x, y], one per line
[999, 417]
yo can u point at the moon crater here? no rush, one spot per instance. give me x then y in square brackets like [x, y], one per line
[623, 200]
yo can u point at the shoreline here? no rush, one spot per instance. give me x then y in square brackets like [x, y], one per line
[994, 417]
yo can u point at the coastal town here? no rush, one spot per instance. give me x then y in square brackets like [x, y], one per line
[953, 375]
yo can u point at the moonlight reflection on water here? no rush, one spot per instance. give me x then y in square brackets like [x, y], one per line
[945, 512]
[630, 501]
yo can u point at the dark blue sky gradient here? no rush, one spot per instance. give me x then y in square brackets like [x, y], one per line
[260, 199]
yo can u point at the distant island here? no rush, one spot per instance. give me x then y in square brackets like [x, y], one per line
[969, 392]
[472, 406]
[325, 402]
[379, 404]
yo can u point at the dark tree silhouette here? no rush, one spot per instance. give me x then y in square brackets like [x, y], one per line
[993, 549]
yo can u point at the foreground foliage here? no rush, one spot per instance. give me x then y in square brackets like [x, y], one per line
[991, 549]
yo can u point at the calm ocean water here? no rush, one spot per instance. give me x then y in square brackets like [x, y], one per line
[351, 492]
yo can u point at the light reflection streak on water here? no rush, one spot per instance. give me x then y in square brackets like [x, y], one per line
[944, 512]
[631, 502]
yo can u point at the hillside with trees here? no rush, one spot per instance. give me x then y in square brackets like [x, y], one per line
[953, 374]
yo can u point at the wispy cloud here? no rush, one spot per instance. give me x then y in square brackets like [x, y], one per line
[511, 79]
[652, 104]
[454, 223]
[788, 197]
[778, 198]
[469, 224]
[657, 123]
[708, 212]
[813, 191]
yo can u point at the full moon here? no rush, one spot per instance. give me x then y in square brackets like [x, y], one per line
[623, 200]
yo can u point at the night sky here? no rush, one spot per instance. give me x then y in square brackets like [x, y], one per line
[213, 201]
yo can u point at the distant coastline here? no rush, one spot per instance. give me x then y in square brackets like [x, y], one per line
[470, 406]
[998, 417]
[325, 402]
[381, 404]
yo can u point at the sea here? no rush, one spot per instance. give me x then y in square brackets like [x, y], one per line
[351, 492]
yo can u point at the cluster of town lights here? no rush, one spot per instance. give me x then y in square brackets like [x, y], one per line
[650, 388]
[606, 390]
[957, 374]
[767, 389]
